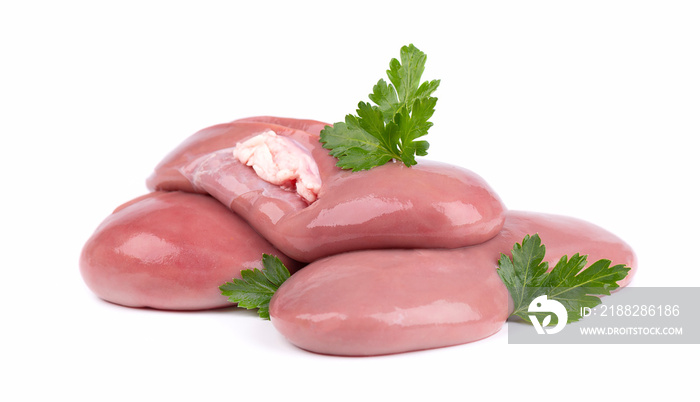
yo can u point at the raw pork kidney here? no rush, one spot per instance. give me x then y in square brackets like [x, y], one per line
[430, 205]
[390, 301]
[171, 250]
[564, 235]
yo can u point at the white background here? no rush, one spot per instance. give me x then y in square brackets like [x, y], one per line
[587, 109]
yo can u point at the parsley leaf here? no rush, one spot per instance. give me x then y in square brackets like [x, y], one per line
[526, 278]
[256, 287]
[388, 130]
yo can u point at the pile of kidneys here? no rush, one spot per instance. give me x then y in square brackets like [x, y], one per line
[386, 260]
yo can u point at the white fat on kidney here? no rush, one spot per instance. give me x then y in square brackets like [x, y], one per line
[280, 161]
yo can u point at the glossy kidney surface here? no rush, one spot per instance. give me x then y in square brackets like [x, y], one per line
[430, 205]
[389, 301]
[171, 250]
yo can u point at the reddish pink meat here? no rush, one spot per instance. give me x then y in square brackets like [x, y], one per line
[171, 250]
[168, 176]
[430, 205]
[564, 235]
[390, 301]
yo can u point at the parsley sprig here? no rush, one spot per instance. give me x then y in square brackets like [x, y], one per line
[256, 287]
[526, 277]
[390, 129]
